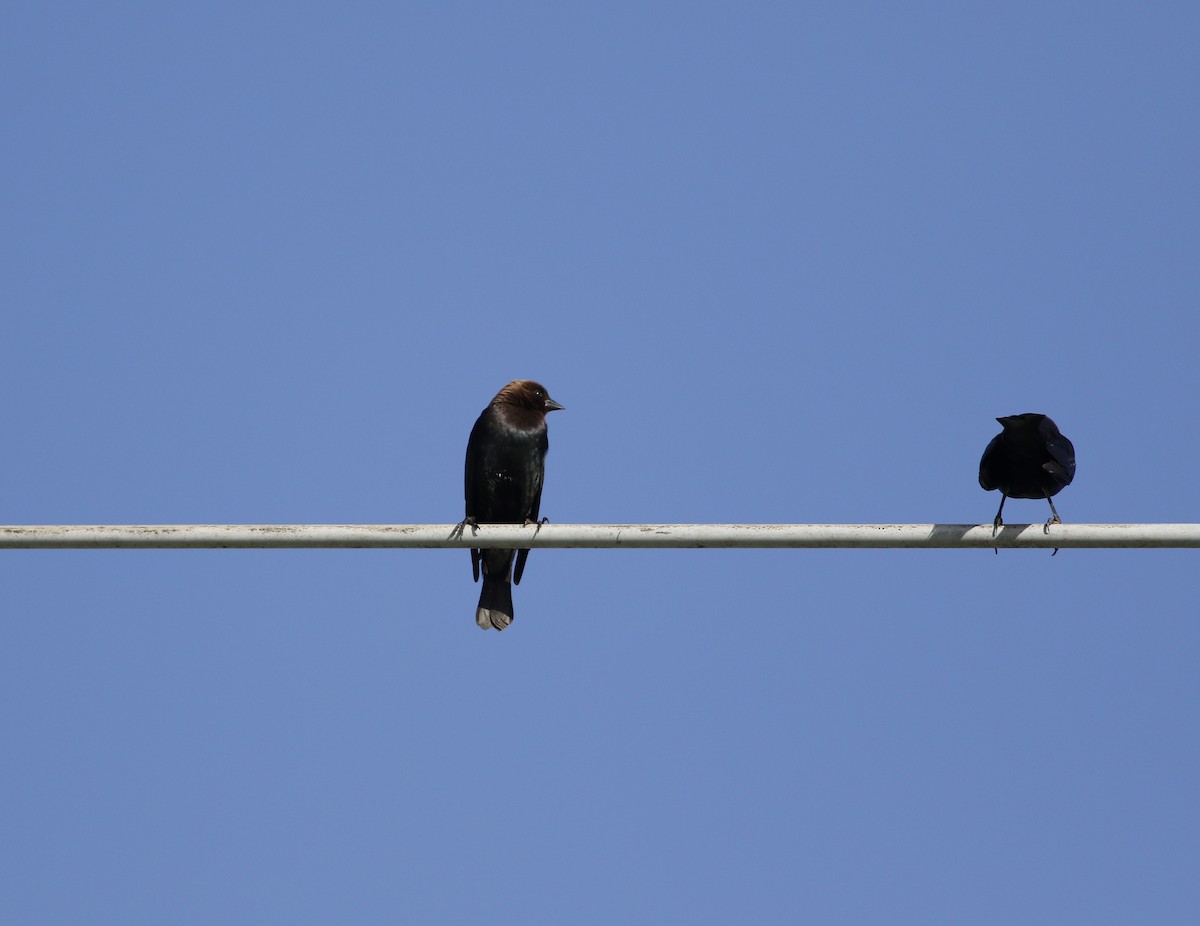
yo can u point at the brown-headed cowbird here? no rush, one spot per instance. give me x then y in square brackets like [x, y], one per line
[1030, 458]
[506, 457]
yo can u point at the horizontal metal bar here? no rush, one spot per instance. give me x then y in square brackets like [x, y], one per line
[871, 536]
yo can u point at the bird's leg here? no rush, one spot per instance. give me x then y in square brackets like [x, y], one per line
[1054, 519]
[538, 523]
[997, 522]
[457, 533]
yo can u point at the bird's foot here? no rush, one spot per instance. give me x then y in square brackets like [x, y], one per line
[538, 523]
[1046, 529]
[457, 533]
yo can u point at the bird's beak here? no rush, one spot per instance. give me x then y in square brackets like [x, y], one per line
[552, 406]
[1005, 420]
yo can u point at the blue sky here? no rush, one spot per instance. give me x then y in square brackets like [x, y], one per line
[781, 262]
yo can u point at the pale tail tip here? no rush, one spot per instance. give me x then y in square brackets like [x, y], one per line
[488, 620]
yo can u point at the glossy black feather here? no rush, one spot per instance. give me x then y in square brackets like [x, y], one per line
[1030, 458]
[504, 471]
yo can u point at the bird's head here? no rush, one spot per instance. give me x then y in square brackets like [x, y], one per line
[1021, 421]
[525, 393]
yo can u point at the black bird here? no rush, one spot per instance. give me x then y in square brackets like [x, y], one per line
[1030, 458]
[506, 457]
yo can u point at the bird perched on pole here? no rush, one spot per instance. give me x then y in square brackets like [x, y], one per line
[1030, 458]
[506, 456]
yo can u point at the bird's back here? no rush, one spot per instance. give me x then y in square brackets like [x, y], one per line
[1032, 460]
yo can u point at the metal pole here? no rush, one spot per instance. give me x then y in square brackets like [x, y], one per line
[427, 536]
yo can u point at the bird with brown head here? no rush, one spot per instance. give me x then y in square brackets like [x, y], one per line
[505, 468]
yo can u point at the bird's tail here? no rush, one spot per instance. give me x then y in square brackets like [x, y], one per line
[495, 604]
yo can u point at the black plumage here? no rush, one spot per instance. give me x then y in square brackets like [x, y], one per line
[505, 468]
[1030, 458]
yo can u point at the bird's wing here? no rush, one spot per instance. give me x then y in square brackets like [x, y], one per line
[471, 470]
[988, 477]
[520, 566]
[1062, 453]
[470, 478]
[534, 510]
